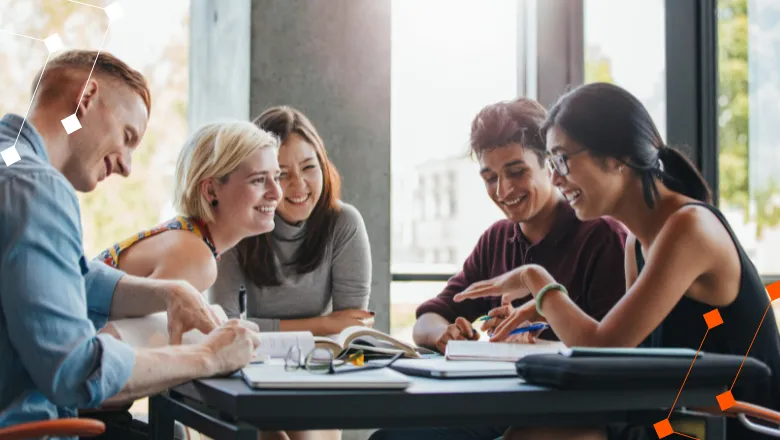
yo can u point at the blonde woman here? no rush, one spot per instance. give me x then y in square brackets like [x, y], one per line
[227, 188]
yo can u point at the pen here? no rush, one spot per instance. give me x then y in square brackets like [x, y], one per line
[530, 328]
[242, 302]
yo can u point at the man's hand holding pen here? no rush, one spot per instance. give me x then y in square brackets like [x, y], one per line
[459, 331]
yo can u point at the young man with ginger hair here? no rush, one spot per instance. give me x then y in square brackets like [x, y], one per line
[52, 300]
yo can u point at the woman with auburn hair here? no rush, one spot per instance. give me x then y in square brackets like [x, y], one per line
[313, 272]
[226, 188]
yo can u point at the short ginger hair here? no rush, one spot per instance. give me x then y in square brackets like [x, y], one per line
[106, 65]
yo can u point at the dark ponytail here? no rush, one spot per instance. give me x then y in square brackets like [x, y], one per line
[610, 122]
[681, 176]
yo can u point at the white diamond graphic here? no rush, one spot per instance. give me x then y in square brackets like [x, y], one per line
[53, 43]
[71, 124]
[114, 12]
[10, 156]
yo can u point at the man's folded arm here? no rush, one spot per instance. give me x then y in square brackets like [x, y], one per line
[100, 284]
[42, 291]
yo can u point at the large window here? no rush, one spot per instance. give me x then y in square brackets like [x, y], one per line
[119, 207]
[625, 45]
[449, 59]
[749, 125]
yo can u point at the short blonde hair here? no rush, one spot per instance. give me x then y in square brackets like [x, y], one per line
[214, 151]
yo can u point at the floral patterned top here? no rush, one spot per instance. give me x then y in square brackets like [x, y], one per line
[111, 255]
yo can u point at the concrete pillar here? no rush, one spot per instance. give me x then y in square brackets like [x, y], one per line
[550, 48]
[331, 60]
[219, 61]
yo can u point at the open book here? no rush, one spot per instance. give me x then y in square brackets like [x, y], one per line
[371, 341]
[152, 331]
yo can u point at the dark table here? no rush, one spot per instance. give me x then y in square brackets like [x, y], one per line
[228, 409]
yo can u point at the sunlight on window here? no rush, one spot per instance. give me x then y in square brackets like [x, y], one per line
[625, 44]
[449, 59]
[118, 207]
[749, 125]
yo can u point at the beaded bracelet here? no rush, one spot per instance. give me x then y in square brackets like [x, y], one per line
[544, 290]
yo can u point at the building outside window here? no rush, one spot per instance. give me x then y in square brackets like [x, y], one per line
[449, 59]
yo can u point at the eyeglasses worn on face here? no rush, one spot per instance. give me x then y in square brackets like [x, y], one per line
[321, 361]
[559, 162]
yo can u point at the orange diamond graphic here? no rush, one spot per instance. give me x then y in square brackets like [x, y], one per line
[663, 428]
[774, 290]
[726, 400]
[713, 319]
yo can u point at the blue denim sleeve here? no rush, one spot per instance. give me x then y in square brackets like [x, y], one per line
[100, 283]
[42, 290]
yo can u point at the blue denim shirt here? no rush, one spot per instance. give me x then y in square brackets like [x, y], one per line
[52, 299]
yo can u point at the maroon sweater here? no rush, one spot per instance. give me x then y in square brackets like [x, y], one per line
[586, 257]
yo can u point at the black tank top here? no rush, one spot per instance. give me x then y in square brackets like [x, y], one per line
[685, 327]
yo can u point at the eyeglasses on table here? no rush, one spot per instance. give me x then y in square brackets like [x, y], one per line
[321, 361]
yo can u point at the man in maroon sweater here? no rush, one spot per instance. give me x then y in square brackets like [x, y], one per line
[541, 228]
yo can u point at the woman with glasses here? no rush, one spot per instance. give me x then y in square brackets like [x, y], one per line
[683, 259]
[539, 227]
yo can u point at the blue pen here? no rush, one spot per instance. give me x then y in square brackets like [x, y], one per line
[530, 328]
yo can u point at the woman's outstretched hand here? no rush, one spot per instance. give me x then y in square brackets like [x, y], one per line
[510, 286]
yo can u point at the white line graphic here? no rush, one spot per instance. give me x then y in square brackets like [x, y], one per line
[53, 44]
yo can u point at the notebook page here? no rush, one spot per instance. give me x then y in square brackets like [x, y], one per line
[277, 344]
[498, 351]
[151, 331]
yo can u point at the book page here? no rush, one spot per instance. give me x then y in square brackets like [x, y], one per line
[369, 339]
[328, 343]
[278, 344]
[367, 335]
[146, 332]
[151, 331]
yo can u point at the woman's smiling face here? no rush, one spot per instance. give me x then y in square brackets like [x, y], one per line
[301, 179]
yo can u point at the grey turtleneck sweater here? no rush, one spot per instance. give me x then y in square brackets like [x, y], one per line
[342, 281]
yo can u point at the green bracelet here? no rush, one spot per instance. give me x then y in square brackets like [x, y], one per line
[544, 290]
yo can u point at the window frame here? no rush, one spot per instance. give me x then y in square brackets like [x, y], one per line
[539, 76]
[691, 45]
[692, 87]
[692, 83]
